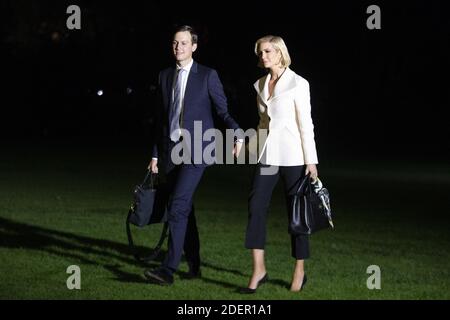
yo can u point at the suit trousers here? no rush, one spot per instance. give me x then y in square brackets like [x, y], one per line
[184, 180]
[259, 201]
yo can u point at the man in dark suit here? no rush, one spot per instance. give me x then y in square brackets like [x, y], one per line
[189, 93]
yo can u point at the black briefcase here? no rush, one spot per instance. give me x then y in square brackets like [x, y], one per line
[149, 206]
[309, 208]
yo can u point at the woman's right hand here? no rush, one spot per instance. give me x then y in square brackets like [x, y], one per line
[153, 166]
[312, 170]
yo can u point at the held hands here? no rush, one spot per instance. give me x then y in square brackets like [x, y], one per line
[312, 170]
[237, 148]
[153, 166]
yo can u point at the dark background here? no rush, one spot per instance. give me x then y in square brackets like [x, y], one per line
[380, 93]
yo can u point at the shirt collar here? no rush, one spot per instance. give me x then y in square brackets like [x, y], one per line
[186, 67]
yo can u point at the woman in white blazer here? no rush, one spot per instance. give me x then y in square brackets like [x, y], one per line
[288, 151]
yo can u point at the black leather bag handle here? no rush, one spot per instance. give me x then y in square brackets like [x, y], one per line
[305, 185]
[152, 176]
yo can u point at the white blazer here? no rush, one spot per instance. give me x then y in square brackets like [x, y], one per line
[287, 117]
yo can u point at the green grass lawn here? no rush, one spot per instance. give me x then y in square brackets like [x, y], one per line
[61, 206]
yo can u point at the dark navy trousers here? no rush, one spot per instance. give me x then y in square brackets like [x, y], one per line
[183, 181]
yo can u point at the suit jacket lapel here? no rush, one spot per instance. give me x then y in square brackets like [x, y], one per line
[285, 84]
[169, 86]
[189, 83]
[262, 87]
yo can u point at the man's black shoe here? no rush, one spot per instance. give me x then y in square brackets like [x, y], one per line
[194, 270]
[193, 274]
[159, 276]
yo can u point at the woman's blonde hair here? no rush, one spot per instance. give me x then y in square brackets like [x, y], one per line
[279, 45]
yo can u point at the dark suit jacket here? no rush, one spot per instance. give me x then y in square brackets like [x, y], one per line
[203, 92]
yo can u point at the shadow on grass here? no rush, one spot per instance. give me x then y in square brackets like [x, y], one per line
[88, 250]
[126, 277]
[17, 235]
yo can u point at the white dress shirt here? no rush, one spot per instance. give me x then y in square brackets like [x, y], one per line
[185, 76]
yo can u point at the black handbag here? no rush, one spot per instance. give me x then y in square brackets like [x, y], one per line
[149, 207]
[309, 208]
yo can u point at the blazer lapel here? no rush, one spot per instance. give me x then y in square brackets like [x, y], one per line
[169, 86]
[285, 84]
[262, 87]
[189, 83]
